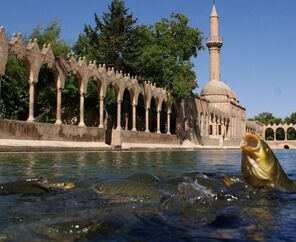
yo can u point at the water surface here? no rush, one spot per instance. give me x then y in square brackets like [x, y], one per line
[143, 196]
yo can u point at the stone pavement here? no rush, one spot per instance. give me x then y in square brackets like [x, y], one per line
[46, 145]
[14, 145]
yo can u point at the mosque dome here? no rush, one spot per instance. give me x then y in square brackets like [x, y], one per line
[218, 88]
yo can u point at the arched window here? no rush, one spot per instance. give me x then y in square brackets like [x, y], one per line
[280, 134]
[269, 134]
[291, 133]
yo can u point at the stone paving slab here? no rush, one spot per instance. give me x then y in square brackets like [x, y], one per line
[44, 145]
[15, 145]
[187, 145]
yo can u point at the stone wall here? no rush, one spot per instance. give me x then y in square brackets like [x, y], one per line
[12, 129]
[127, 136]
[281, 144]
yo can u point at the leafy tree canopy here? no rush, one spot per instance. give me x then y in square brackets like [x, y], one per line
[267, 118]
[50, 35]
[14, 91]
[160, 53]
[165, 59]
[14, 85]
[45, 89]
[291, 119]
[113, 40]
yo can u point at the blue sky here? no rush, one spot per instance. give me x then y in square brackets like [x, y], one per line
[258, 58]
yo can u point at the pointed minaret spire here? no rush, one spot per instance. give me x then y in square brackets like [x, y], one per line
[214, 43]
[214, 12]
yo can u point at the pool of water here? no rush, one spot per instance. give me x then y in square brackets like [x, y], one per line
[143, 196]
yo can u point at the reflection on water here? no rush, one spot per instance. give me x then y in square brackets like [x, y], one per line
[142, 196]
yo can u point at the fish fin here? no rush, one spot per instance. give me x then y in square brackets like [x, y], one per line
[227, 181]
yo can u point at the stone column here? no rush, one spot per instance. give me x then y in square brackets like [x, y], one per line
[126, 121]
[81, 122]
[31, 102]
[118, 115]
[101, 121]
[59, 104]
[214, 127]
[228, 129]
[134, 117]
[158, 122]
[206, 131]
[201, 125]
[223, 130]
[147, 120]
[232, 127]
[169, 122]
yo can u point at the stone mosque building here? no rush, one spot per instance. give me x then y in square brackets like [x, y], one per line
[212, 118]
[221, 118]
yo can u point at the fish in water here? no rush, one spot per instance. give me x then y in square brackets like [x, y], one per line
[260, 168]
[33, 187]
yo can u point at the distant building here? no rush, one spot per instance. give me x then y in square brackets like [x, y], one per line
[145, 114]
[220, 117]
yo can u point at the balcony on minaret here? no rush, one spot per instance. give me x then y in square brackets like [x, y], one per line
[214, 41]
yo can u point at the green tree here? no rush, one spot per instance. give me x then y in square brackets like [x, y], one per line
[14, 91]
[267, 118]
[291, 119]
[14, 85]
[113, 39]
[45, 89]
[166, 56]
[50, 35]
[291, 133]
[160, 53]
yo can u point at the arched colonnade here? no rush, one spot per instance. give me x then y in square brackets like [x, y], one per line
[214, 123]
[280, 132]
[34, 58]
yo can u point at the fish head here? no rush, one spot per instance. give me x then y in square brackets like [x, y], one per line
[258, 164]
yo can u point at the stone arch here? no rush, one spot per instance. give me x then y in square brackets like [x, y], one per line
[280, 133]
[140, 113]
[269, 134]
[92, 103]
[126, 109]
[75, 88]
[291, 133]
[111, 103]
[80, 70]
[18, 49]
[43, 76]
[45, 104]
[153, 115]
[70, 103]
[84, 75]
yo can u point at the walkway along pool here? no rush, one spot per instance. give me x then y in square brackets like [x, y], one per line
[143, 196]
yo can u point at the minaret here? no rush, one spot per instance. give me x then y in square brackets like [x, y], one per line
[214, 43]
